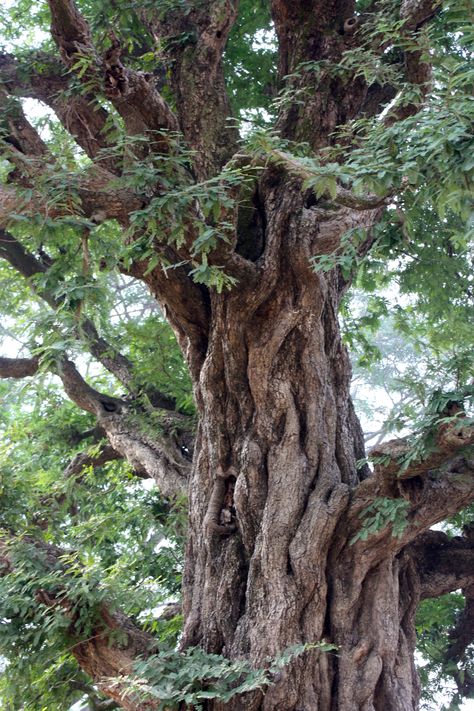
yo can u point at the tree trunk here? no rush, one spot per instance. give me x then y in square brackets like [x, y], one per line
[269, 563]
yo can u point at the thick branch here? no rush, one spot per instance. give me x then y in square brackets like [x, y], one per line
[343, 196]
[83, 394]
[99, 199]
[158, 456]
[434, 487]
[389, 457]
[444, 564]
[431, 497]
[197, 77]
[417, 12]
[18, 367]
[162, 457]
[132, 93]
[184, 304]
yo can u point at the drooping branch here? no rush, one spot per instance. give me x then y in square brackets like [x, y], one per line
[115, 643]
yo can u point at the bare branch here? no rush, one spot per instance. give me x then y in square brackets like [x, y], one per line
[18, 367]
[444, 564]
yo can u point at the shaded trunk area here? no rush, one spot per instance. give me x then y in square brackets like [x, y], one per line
[268, 562]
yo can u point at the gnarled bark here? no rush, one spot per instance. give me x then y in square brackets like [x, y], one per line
[275, 493]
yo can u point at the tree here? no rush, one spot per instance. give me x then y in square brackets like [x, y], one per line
[247, 181]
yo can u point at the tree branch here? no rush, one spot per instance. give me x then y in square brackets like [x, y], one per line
[28, 266]
[160, 456]
[461, 637]
[450, 439]
[99, 197]
[417, 12]
[116, 363]
[80, 114]
[131, 92]
[115, 643]
[443, 564]
[417, 66]
[18, 367]
[197, 77]
[86, 459]
[184, 304]
[343, 197]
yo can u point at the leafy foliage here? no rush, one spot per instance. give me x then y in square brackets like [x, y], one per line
[195, 676]
[379, 514]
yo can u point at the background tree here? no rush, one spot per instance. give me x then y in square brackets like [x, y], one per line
[245, 165]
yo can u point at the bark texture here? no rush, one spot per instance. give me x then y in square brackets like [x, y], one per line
[276, 498]
[277, 451]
